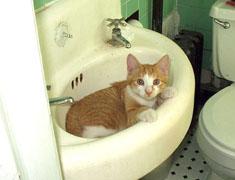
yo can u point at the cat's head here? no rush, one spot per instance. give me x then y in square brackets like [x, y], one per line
[146, 80]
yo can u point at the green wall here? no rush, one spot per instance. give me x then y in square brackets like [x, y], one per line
[168, 6]
[40, 3]
[145, 9]
[194, 15]
[143, 6]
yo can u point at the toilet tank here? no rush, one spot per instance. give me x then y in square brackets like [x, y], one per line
[223, 42]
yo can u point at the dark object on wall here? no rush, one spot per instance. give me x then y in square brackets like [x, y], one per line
[191, 43]
[157, 15]
[135, 15]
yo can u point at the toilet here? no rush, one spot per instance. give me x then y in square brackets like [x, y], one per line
[216, 129]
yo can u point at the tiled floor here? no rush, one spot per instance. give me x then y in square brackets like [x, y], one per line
[189, 165]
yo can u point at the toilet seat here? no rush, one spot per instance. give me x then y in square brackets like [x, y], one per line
[217, 127]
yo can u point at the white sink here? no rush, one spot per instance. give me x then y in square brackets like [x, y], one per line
[86, 64]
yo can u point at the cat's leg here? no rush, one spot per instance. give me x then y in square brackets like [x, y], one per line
[141, 114]
[132, 115]
[148, 115]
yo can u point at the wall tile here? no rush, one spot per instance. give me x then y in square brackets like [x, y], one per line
[190, 28]
[168, 6]
[38, 3]
[132, 6]
[207, 39]
[203, 20]
[207, 60]
[187, 16]
[48, 1]
[205, 4]
[192, 3]
[144, 21]
[194, 15]
[147, 20]
[124, 1]
[150, 20]
[124, 10]
[145, 6]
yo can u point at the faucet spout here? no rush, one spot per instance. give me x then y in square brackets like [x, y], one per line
[117, 39]
[117, 36]
[61, 101]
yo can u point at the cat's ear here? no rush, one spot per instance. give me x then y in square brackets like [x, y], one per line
[132, 64]
[163, 64]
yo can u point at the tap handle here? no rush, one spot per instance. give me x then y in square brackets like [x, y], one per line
[116, 22]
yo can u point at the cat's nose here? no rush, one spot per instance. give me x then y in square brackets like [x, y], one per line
[148, 92]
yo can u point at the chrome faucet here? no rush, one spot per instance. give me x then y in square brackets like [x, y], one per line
[61, 101]
[117, 39]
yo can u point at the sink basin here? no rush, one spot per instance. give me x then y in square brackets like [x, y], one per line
[86, 64]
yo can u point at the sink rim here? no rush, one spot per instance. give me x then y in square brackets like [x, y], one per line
[79, 140]
[179, 119]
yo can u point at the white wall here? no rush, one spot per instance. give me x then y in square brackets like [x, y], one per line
[8, 169]
[24, 108]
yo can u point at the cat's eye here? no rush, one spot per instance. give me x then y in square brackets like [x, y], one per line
[156, 82]
[140, 81]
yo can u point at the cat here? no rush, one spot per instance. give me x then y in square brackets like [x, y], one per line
[115, 108]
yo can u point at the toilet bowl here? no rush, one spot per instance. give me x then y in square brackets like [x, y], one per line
[83, 62]
[216, 128]
[216, 133]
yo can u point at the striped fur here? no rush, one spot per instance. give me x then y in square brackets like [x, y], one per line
[121, 105]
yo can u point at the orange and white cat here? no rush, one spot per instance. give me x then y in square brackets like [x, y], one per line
[112, 109]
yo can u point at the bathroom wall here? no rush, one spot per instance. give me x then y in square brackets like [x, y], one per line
[8, 169]
[144, 7]
[40, 3]
[170, 21]
[194, 15]
[168, 6]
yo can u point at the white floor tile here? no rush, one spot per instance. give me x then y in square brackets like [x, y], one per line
[189, 165]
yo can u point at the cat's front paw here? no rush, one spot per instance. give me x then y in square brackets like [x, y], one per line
[168, 92]
[148, 115]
